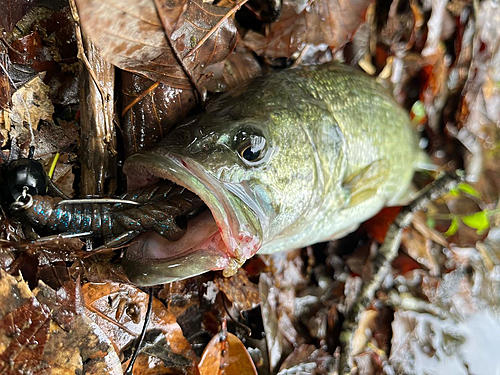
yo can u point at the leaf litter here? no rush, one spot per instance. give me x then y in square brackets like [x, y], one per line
[438, 309]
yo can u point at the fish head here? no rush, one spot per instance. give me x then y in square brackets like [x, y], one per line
[244, 158]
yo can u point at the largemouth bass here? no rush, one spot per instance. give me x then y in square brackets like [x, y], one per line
[293, 158]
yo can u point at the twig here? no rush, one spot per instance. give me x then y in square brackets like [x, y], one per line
[216, 27]
[138, 345]
[382, 265]
[140, 97]
[98, 137]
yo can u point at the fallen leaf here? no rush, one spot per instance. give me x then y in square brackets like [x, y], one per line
[150, 110]
[24, 326]
[131, 35]
[4, 79]
[239, 290]
[12, 11]
[76, 344]
[240, 67]
[225, 354]
[120, 310]
[30, 104]
[420, 249]
[330, 23]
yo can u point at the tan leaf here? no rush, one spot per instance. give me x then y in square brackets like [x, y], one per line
[225, 354]
[30, 104]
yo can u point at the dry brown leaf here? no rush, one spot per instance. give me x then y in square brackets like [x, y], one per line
[30, 104]
[225, 354]
[330, 23]
[24, 326]
[130, 35]
[239, 290]
[120, 310]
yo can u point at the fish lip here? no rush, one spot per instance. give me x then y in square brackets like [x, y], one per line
[241, 243]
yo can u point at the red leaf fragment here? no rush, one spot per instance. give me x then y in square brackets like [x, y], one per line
[23, 334]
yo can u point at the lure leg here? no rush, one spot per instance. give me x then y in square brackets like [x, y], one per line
[120, 240]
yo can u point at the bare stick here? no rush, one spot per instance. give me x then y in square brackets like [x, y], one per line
[98, 137]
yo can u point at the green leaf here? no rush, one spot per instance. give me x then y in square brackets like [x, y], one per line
[479, 221]
[468, 189]
[431, 222]
[453, 228]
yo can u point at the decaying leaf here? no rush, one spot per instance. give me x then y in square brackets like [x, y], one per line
[44, 331]
[156, 41]
[120, 310]
[30, 104]
[4, 79]
[76, 344]
[225, 354]
[319, 23]
[24, 326]
[12, 11]
[239, 290]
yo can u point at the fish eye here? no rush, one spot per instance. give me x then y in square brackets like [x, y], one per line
[251, 148]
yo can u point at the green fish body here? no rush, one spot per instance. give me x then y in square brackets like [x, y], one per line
[293, 158]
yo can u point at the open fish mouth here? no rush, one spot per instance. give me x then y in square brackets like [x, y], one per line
[216, 239]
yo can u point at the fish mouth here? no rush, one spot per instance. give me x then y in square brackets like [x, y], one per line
[221, 238]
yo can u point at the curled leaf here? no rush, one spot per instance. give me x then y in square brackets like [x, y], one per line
[453, 228]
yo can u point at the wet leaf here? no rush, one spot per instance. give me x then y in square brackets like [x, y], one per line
[4, 79]
[479, 221]
[240, 67]
[239, 290]
[150, 110]
[12, 11]
[44, 331]
[327, 23]
[377, 226]
[225, 354]
[120, 310]
[76, 344]
[131, 35]
[453, 228]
